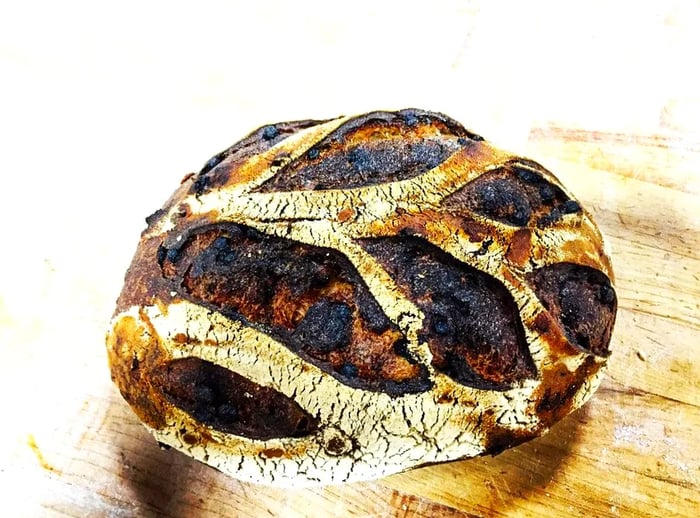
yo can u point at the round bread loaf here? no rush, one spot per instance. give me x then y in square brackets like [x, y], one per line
[328, 301]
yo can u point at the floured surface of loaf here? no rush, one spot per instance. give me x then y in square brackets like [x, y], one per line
[329, 301]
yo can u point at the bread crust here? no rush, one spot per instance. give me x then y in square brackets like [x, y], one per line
[330, 301]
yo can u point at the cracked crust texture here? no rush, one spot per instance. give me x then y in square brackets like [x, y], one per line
[329, 301]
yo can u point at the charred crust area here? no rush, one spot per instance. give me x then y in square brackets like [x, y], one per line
[143, 284]
[471, 321]
[499, 439]
[498, 436]
[230, 403]
[558, 396]
[133, 349]
[555, 395]
[476, 232]
[169, 206]
[582, 300]
[309, 298]
[515, 195]
[218, 170]
[374, 148]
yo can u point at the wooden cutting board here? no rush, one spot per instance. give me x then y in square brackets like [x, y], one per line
[99, 127]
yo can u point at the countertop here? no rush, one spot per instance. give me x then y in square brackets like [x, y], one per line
[105, 108]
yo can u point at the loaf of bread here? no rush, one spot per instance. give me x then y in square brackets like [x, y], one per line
[330, 301]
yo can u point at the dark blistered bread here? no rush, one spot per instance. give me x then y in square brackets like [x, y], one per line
[339, 300]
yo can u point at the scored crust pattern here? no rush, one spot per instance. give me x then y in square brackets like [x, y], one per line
[328, 301]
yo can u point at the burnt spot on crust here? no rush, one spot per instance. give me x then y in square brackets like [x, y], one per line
[374, 148]
[559, 396]
[326, 326]
[499, 439]
[229, 402]
[581, 299]
[150, 220]
[516, 195]
[309, 298]
[554, 397]
[471, 320]
[218, 169]
[212, 163]
[144, 284]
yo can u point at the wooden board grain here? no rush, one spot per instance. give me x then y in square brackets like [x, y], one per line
[101, 127]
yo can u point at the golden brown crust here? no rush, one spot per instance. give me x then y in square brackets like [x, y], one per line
[338, 300]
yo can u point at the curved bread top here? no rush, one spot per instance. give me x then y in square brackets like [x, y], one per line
[325, 291]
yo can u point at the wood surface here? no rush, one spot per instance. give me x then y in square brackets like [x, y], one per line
[104, 109]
